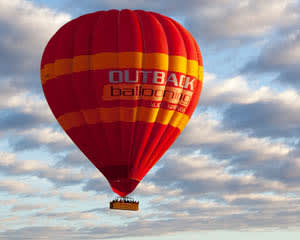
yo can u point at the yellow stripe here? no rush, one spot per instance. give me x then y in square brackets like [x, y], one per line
[164, 116]
[147, 114]
[103, 61]
[123, 60]
[81, 63]
[179, 120]
[47, 72]
[192, 68]
[71, 120]
[130, 60]
[156, 61]
[200, 76]
[63, 66]
[178, 64]
[124, 114]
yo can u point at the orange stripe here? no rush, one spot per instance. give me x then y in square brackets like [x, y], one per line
[200, 73]
[124, 114]
[122, 60]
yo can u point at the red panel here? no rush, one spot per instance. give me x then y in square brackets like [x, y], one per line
[166, 140]
[154, 40]
[82, 37]
[189, 43]
[59, 94]
[154, 37]
[176, 44]
[152, 143]
[81, 136]
[130, 39]
[65, 43]
[105, 35]
[130, 32]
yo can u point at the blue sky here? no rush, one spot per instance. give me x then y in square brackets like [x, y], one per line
[234, 173]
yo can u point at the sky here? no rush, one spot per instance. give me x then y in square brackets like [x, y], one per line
[234, 173]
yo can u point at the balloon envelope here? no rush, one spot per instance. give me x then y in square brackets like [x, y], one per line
[123, 85]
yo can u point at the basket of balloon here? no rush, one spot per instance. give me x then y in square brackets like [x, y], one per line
[124, 203]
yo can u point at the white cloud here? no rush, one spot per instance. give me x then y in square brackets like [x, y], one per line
[48, 136]
[10, 165]
[282, 57]
[25, 30]
[28, 207]
[54, 140]
[260, 198]
[239, 90]
[262, 111]
[242, 20]
[16, 187]
[213, 20]
[68, 216]
[75, 158]
[204, 130]
[201, 176]
[151, 189]
[78, 196]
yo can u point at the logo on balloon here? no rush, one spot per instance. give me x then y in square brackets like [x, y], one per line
[155, 86]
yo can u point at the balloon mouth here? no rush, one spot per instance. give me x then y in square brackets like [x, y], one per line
[124, 186]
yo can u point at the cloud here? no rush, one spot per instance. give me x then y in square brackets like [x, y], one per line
[68, 216]
[27, 122]
[219, 92]
[77, 196]
[229, 219]
[281, 57]
[257, 163]
[25, 30]
[20, 109]
[211, 21]
[17, 187]
[98, 184]
[149, 188]
[27, 207]
[262, 111]
[206, 134]
[38, 232]
[261, 201]
[18, 120]
[275, 118]
[53, 140]
[75, 158]
[7, 202]
[219, 21]
[200, 176]
[12, 166]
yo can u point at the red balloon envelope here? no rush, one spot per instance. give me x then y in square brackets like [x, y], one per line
[123, 85]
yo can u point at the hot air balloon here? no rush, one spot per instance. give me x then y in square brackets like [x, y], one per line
[123, 85]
